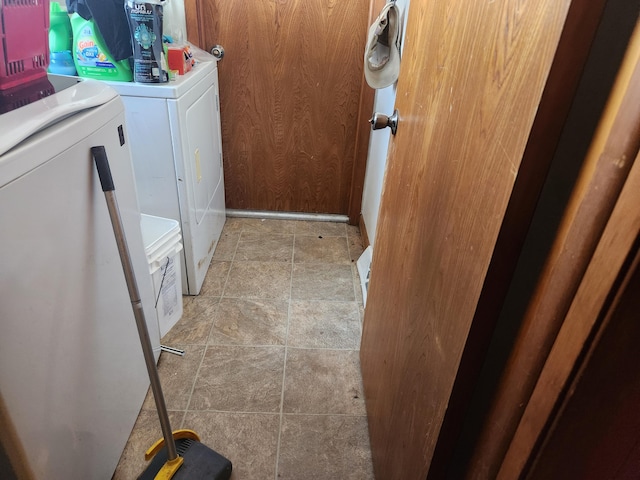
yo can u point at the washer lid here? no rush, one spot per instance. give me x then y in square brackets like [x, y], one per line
[72, 96]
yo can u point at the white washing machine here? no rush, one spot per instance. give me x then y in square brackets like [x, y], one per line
[72, 373]
[174, 132]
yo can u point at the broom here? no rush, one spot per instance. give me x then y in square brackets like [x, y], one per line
[179, 454]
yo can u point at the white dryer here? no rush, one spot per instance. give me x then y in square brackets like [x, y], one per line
[174, 132]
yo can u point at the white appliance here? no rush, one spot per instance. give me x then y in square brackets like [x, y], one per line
[174, 129]
[72, 372]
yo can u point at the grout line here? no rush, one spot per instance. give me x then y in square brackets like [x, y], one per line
[266, 345]
[325, 348]
[303, 414]
[286, 351]
[185, 346]
[206, 345]
[284, 299]
[193, 386]
[251, 412]
[226, 280]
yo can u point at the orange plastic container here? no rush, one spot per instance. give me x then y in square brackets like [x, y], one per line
[179, 58]
[24, 32]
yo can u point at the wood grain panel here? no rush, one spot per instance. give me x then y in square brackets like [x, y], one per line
[470, 83]
[577, 330]
[603, 175]
[573, 49]
[597, 279]
[193, 18]
[596, 433]
[290, 87]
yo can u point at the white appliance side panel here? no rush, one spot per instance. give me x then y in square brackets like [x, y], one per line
[149, 135]
[72, 372]
[217, 206]
[195, 122]
[151, 140]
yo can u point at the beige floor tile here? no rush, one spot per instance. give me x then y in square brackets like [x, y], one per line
[323, 382]
[321, 250]
[250, 322]
[250, 441]
[265, 247]
[177, 375]
[239, 379]
[259, 280]
[233, 225]
[215, 279]
[322, 282]
[226, 248]
[194, 326]
[356, 284]
[259, 225]
[355, 248]
[321, 447]
[322, 324]
[145, 432]
[353, 231]
[321, 228]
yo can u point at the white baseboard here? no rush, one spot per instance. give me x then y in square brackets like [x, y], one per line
[364, 271]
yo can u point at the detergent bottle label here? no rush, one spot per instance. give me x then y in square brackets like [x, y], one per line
[88, 53]
[149, 58]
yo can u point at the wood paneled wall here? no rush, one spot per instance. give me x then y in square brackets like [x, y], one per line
[290, 87]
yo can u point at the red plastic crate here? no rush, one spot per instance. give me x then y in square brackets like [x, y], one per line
[24, 55]
[25, 93]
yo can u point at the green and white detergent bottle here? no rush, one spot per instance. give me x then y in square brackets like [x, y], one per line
[60, 41]
[90, 54]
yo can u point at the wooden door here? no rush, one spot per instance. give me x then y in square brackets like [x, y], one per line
[573, 357]
[470, 85]
[290, 86]
[581, 420]
[596, 435]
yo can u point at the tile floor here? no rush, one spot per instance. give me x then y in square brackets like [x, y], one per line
[271, 375]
